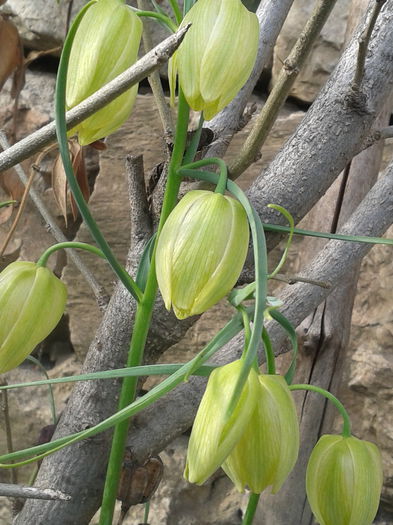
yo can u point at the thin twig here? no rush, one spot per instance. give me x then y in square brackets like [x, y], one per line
[8, 429]
[278, 95]
[141, 69]
[21, 491]
[155, 81]
[364, 40]
[98, 290]
[293, 279]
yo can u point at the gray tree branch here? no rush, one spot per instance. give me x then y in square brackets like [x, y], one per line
[307, 165]
[140, 70]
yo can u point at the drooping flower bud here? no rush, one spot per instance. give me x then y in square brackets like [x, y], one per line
[201, 251]
[344, 481]
[268, 448]
[217, 55]
[106, 44]
[212, 437]
[32, 300]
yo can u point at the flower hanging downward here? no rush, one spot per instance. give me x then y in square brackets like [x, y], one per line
[32, 300]
[213, 437]
[268, 449]
[201, 251]
[106, 43]
[217, 55]
[344, 481]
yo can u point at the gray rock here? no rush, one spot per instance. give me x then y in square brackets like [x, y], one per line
[42, 23]
[325, 53]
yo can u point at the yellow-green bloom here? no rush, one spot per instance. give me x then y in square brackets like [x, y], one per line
[268, 448]
[217, 55]
[212, 437]
[344, 481]
[32, 300]
[201, 251]
[106, 44]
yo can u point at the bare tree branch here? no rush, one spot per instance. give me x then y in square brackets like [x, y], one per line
[289, 72]
[21, 491]
[46, 135]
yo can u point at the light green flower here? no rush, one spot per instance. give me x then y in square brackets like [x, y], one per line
[268, 448]
[344, 481]
[106, 44]
[201, 251]
[217, 55]
[212, 437]
[32, 300]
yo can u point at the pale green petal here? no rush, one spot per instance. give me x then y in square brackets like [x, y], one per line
[190, 53]
[229, 56]
[344, 481]
[201, 251]
[30, 312]
[212, 438]
[268, 449]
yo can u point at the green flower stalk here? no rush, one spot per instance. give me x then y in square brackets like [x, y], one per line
[32, 300]
[213, 437]
[106, 44]
[201, 251]
[344, 481]
[268, 448]
[217, 55]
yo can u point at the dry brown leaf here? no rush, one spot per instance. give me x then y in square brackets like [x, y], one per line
[11, 52]
[59, 180]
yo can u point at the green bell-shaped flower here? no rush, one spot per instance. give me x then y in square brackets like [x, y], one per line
[268, 448]
[106, 43]
[213, 437]
[201, 251]
[344, 481]
[217, 55]
[32, 300]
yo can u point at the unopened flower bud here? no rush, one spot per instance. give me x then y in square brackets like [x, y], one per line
[268, 448]
[201, 251]
[213, 437]
[344, 481]
[217, 55]
[32, 300]
[106, 43]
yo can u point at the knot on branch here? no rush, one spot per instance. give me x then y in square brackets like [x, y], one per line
[357, 100]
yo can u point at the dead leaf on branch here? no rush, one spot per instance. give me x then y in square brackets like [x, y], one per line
[62, 194]
[11, 54]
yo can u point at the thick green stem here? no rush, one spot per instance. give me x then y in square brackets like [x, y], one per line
[346, 432]
[142, 323]
[42, 261]
[251, 509]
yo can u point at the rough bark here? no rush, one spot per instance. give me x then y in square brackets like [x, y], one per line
[323, 144]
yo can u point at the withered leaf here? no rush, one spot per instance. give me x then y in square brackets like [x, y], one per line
[11, 53]
[61, 192]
